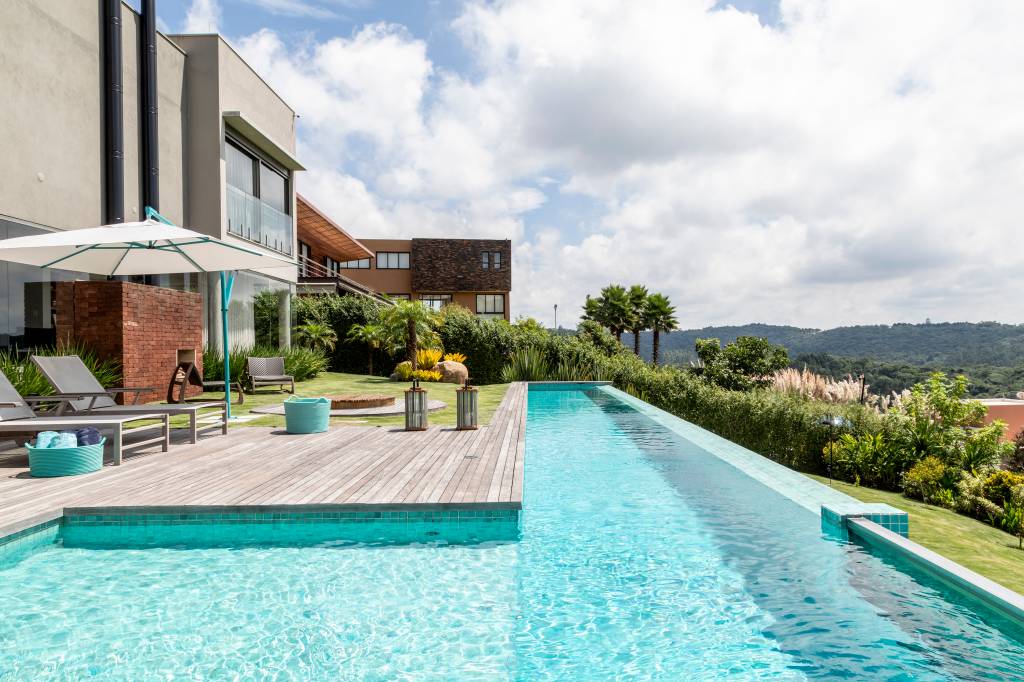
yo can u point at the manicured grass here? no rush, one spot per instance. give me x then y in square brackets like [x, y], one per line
[976, 545]
[334, 383]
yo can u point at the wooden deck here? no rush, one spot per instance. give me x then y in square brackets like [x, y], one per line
[346, 467]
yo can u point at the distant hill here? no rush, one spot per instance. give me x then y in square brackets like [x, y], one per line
[940, 344]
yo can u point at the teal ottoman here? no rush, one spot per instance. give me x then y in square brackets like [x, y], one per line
[50, 462]
[306, 415]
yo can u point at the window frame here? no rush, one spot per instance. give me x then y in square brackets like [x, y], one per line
[398, 258]
[332, 266]
[260, 160]
[347, 264]
[490, 298]
[443, 299]
[490, 260]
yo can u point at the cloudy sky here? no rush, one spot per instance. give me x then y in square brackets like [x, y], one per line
[809, 162]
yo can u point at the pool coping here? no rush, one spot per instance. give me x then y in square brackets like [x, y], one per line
[822, 499]
[1002, 598]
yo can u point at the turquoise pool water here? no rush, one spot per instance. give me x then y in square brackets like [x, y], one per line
[640, 556]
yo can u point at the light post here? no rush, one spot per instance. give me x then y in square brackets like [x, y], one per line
[832, 422]
[556, 318]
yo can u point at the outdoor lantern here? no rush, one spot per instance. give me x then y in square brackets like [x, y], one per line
[415, 408]
[466, 407]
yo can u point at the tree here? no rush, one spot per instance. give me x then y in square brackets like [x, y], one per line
[747, 362]
[373, 335]
[661, 317]
[409, 322]
[637, 313]
[316, 335]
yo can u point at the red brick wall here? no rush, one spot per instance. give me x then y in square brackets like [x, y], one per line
[140, 326]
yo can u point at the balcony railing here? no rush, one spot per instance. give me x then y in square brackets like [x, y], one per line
[250, 218]
[311, 270]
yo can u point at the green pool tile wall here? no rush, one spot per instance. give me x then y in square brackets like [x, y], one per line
[188, 528]
[292, 528]
[15, 547]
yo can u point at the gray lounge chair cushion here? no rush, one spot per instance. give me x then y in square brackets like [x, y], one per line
[69, 375]
[12, 406]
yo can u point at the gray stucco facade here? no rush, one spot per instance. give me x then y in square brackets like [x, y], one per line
[52, 124]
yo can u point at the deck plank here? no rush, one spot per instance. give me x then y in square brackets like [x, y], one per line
[254, 466]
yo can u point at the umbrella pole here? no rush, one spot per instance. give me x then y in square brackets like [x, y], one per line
[227, 282]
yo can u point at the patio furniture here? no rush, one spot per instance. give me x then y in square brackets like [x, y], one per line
[18, 417]
[268, 372]
[306, 415]
[188, 373]
[83, 394]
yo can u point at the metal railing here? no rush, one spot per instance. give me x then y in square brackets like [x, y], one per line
[311, 269]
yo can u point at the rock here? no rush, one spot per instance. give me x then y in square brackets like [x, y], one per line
[452, 372]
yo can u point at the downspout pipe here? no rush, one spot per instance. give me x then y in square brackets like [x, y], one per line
[113, 120]
[150, 128]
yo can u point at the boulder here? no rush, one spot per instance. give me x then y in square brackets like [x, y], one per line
[452, 372]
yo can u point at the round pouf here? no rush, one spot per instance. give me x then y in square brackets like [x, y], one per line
[306, 415]
[51, 462]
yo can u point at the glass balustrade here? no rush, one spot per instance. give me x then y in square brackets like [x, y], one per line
[250, 218]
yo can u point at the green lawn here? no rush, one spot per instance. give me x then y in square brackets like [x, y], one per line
[335, 383]
[978, 546]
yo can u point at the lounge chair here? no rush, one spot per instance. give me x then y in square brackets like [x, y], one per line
[268, 372]
[17, 416]
[83, 394]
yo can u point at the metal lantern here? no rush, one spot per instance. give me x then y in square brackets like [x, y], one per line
[415, 408]
[466, 407]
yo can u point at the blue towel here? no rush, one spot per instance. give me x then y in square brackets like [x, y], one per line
[88, 436]
[65, 439]
[45, 439]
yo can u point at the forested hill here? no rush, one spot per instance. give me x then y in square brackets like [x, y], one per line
[954, 344]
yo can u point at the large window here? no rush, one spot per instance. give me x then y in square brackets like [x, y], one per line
[258, 198]
[491, 260]
[436, 301]
[361, 264]
[490, 304]
[400, 297]
[332, 266]
[305, 270]
[392, 260]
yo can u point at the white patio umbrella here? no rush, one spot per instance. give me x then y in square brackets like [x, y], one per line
[153, 246]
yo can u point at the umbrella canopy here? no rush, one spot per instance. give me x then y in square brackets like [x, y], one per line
[153, 246]
[148, 247]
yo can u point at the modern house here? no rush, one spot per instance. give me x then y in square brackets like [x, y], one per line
[103, 116]
[475, 273]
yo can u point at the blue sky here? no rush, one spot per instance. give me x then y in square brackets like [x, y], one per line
[754, 161]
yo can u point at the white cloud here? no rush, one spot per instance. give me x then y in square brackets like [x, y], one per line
[859, 163]
[202, 16]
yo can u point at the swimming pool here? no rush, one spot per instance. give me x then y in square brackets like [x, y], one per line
[639, 555]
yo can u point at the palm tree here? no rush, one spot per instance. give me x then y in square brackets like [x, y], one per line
[637, 313]
[660, 318]
[372, 335]
[317, 336]
[408, 323]
[614, 305]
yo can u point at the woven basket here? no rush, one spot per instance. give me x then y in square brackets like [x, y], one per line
[306, 415]
[50, 462]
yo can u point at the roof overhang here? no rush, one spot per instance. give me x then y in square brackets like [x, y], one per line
[264, 142]
[313, 226]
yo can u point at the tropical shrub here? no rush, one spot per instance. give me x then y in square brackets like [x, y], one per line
[426, 375]
[970, 500]
[455, 357]
[410, 324]
[341, 313]
[403, 371]
[999, 484]
[1014, 460]
[528, 364]
[373, 336]
[929, 481]
[1012, 520]
[426, 358]
[316, 335]
[300, 362]
[869, 459]
[28, 380]
[487, 344]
